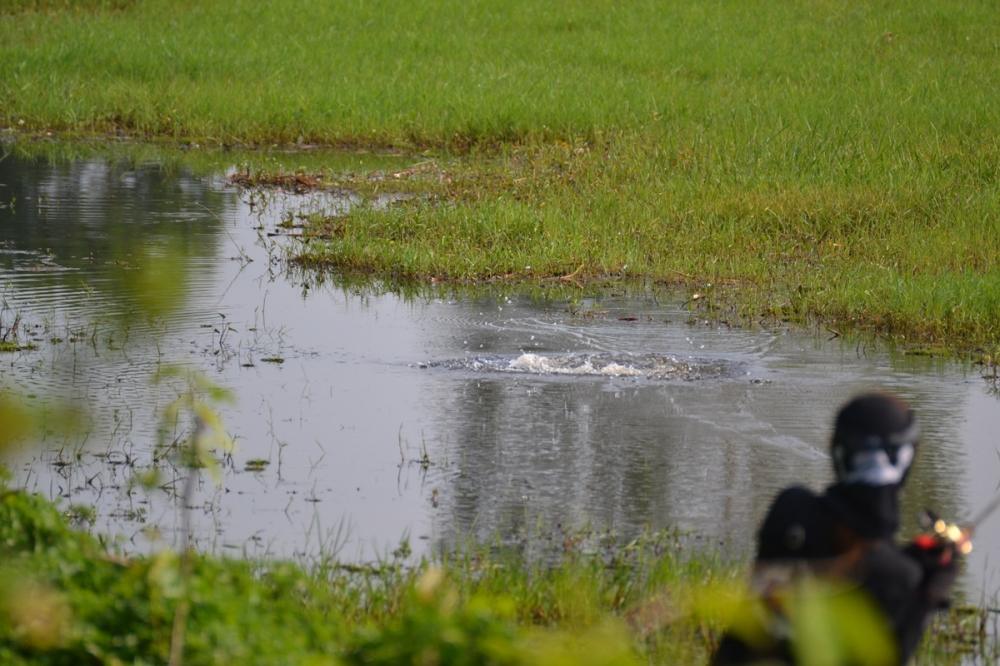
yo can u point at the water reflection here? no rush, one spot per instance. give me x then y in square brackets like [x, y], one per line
[373, 416]
[707, 456]
[76, 235]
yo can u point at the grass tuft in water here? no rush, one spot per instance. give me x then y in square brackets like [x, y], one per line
[916, 262]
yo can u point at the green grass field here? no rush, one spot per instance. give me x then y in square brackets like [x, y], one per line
[825, 89]
[804, 159]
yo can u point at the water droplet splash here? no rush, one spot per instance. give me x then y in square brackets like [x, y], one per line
[660, 367]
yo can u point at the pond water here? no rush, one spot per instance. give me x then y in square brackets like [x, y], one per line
[434, 419]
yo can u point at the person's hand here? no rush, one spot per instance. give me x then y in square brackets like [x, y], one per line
[933, 551]
[938, 555]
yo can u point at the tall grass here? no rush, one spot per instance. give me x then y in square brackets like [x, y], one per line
[814, 83]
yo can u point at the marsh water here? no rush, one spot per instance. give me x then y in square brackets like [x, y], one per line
[365, 417]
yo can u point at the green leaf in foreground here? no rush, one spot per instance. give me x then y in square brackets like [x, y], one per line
[67, 600]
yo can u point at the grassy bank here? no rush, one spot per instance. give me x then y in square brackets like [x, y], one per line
[780, 159]
[65, 600]
[916, 260]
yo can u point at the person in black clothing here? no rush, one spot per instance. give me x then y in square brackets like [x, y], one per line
[847, 535]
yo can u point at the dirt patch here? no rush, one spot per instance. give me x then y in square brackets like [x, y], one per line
[299, 183]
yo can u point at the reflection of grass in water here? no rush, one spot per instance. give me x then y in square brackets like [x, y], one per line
[67, 601]
[330, 166]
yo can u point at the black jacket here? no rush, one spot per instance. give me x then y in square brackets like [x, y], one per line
[846, 535]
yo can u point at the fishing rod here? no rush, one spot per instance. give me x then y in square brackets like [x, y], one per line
[986, 511]
[958, 535]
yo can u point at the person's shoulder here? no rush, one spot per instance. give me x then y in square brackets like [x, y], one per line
[792, 501]
[795, 494]
[789, 528]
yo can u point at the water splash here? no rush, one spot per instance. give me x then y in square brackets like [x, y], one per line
[645, 366]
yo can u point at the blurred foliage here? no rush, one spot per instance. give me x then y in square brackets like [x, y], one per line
[21, 421]
[157, 281]
[18, 421]
[108, 609]
[827, 622]
[196, 403]
[67, 601]
[836, 625]
[434, 628]
[36, 615]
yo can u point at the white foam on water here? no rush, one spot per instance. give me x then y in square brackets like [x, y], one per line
[618, 370]
[531, 363]
[536, 363]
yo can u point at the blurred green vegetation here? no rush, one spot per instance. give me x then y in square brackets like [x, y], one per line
[87, 606]
[24, 422]
[17, 419]
[67, 600]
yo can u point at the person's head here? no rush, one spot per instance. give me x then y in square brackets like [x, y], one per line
[874, 441]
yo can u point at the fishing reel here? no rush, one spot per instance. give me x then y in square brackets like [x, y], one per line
[942, 535]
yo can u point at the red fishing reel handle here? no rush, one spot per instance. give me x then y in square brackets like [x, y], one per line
[948, 540]
[926, 541]
[935, 549]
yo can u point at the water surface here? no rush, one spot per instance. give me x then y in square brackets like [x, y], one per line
[433, 419]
